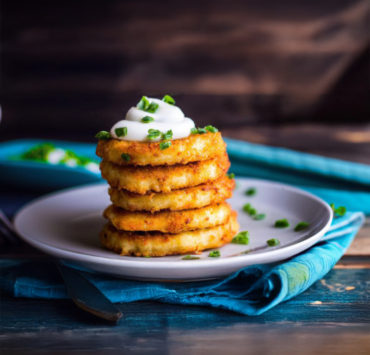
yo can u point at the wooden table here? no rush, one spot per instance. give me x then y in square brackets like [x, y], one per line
[332, 317]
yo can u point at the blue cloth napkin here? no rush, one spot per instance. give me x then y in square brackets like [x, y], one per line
[250, 291]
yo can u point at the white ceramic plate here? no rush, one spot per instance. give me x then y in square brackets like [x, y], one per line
[66, 225]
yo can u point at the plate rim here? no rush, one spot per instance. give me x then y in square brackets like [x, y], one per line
[190, 264]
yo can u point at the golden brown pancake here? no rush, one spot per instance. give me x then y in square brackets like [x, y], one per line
[183, 199]
[196, 147]
[143, 179]
[169, 221]
[161, 244]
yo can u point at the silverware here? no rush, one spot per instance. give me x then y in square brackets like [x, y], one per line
[86, 296]
[83, 293]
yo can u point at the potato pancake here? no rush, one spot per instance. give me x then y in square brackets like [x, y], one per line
[196, 147]
[183, 199]
[142, 179]
[169, 221]
[162, 244]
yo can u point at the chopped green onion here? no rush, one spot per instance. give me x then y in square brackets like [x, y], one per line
[214, 254]
[126, 157]
[259, 216]
[211, 129]
[247, 207]
[194, 130]
[252, 211]
[164, 145]
[153, 107]
[301, 226]
[273, 242]
[147, 119]
[241, 238]
[190, 257]
[282, 223]
[202, 130]
[147, 106]
[167, 135]
[251, 191]
[104, 135]
[121, 131]
[231, 175]
[339, 211]
[153, 134]
[143, 104]
[169, 99]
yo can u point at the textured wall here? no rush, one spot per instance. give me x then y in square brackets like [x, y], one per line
[71, 68]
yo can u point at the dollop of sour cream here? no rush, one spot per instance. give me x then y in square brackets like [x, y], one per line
[166, 117]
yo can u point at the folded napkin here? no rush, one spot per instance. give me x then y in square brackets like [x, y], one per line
[250, 291]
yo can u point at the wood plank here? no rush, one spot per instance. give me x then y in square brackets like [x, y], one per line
[332, 316]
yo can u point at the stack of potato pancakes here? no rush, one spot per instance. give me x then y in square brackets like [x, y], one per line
[167, 199]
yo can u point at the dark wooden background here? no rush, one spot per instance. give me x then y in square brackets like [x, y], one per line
[71, 68]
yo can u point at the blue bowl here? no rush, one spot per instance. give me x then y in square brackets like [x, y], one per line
[30, 174]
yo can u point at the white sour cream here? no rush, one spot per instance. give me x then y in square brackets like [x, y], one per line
[167, 117]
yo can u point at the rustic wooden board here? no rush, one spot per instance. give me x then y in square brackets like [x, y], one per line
[331, 317]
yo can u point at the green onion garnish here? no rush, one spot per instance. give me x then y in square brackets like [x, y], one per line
[211, 129]
[169, 99]
[126, 157]
[167, 135]
[164, 145]
[273, 242]
[214, 254]
[249, 209]
[194, 130]
[301, 226]
[251, 191]
[282, 223]
[153, 134]
[147, 119]
[202, 130]
[339, 211]
[104, 135]
[147, 106]
[121, 131]
[143, 104]
[241, 238]
[190, 257]
[153, 107]
[259, 216]
[231, 175]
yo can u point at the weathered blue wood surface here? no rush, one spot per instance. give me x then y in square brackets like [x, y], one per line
[332, 316]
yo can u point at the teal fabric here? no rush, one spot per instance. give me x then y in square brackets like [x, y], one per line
[250, 291]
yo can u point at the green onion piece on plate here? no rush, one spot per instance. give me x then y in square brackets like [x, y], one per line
[241, 238]
[301, 226]
[273, 242]
[214, 254]
[282, 223]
